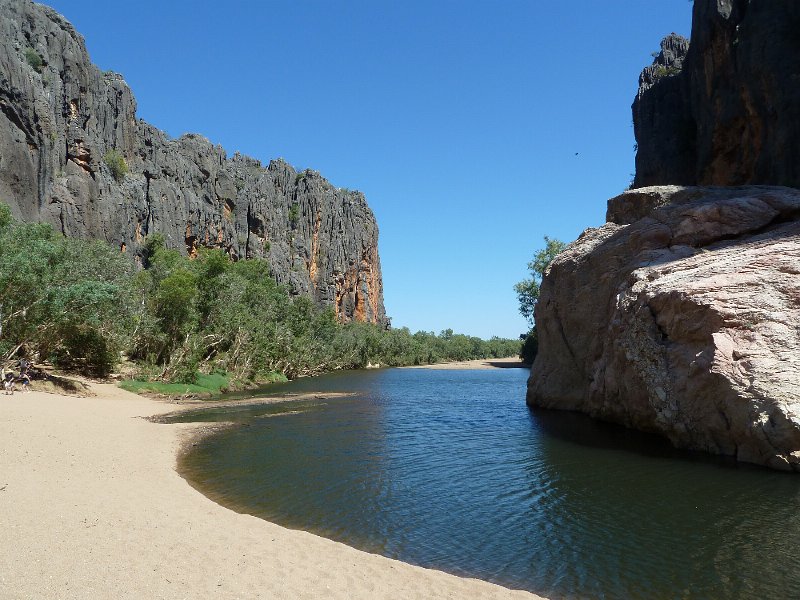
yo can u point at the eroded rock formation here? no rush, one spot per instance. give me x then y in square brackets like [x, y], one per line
[681, 316]
[725, 108]
[62, 120]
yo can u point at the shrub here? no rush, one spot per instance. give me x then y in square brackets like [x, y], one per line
[86, 350]
[5, 216]
[116, 164]
[34, 60]
[663, 71]
[183, 369]
[294, 214]
[530, 347]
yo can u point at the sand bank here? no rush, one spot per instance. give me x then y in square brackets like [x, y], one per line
[487, 363]
[91, 507]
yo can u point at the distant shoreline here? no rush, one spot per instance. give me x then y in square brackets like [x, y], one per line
[511, 362]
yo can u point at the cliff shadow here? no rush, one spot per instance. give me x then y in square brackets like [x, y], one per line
[583, 430]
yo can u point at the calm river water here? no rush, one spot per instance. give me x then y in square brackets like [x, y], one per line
[450, 469]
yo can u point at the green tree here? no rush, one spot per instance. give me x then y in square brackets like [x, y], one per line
[79, 304]
[528, 289]
[152, 244]
[528, 294]
[294, 215]
[209, 266]
[62, 299]
[174, 304]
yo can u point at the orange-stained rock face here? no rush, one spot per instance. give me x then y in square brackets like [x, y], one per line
[359, 292]
[374, 283]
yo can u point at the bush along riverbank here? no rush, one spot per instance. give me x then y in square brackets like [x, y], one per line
[81, 305]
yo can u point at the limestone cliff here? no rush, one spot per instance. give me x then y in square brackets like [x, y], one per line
[723, 109]
[63, 121]
[681, 316]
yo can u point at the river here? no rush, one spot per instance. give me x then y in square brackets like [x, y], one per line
[451, 470]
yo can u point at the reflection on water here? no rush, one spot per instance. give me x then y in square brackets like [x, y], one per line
[450, 469]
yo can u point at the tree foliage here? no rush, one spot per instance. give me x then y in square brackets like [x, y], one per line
[530, 346]
[61, 298]
[528, 289]
[81, 304]
[528, 294]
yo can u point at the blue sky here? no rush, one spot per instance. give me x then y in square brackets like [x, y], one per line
[473, 128]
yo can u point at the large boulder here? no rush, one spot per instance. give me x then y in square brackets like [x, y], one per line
[681, 316]
[64, 124]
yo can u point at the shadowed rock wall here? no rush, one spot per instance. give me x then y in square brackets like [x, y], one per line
[60, 119]
[725, 108]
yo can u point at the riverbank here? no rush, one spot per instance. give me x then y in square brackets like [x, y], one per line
[91, 506]
[481, 363]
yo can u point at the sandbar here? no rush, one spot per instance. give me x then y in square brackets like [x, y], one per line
[482, 363]
[91, 506]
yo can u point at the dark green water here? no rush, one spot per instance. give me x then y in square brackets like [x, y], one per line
[450, 469]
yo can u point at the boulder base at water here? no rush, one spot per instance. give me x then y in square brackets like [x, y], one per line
[681, 316]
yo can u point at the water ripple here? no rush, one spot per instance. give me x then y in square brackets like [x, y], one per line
[451, 470]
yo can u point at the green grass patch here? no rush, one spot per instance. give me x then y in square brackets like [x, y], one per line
[273, 377]
[205, 384]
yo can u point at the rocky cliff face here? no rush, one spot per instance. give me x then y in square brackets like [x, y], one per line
[681, 316]
[725, 108]
[63, 121]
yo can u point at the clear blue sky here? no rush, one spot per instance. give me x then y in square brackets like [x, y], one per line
[459, 120]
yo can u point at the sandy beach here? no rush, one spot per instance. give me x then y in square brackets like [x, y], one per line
[91, 506]
[483, 363]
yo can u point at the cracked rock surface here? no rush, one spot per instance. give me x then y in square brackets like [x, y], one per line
[61, 118]
[681, 316]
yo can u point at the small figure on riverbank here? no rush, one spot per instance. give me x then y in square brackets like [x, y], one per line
[25, 379]
[8, 384]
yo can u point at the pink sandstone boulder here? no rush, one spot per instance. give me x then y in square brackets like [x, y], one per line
[681, 316]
